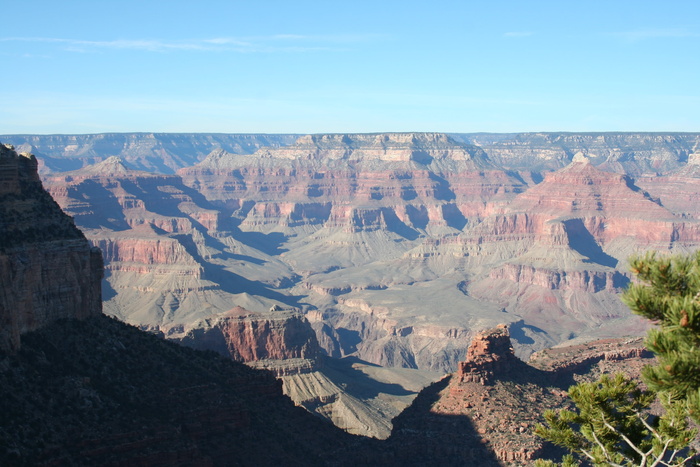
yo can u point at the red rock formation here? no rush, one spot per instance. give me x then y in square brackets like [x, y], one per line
[153, 231]
[418, 179]
[262, 340]
[109, 195]
[276, 335]
[608, 205]
[627, 355]
[156, 250]
[556, 253]
[679, 190]
[489, 354]
[48, 270]
[557, 279]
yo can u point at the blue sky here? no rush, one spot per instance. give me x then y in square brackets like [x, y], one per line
[360, 66]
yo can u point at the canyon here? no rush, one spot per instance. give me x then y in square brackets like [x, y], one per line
[80, 388]
[388, 251]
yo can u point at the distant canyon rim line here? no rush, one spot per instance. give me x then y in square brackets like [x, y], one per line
[393, 248]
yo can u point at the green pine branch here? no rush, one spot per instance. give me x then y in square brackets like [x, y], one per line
[611, 423]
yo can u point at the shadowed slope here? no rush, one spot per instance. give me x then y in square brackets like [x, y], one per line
[100, 392]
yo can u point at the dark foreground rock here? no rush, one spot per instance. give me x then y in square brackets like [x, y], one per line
[99, 392]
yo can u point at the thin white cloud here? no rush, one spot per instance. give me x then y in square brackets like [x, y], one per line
[77, 45]
[260, 44]
[645, 34]
[518, 34]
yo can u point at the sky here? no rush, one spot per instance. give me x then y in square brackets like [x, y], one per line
[336, 66]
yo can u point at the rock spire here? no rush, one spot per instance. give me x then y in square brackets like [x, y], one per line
[489, 354]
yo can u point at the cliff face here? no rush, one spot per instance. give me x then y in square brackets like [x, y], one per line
[48, 270]
[489, 354]
[278, 340]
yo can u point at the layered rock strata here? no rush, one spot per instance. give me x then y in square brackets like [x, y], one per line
[170, 260]
[278, 340]
[48, 270]
[564, 245]
[118, 395]
[631, 153]
[356, 182]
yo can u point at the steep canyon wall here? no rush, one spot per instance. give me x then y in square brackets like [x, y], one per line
[48, 270]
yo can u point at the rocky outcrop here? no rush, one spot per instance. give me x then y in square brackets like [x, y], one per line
[554, 279]
[278, 340]
[48, 270]
[626, 355]
[489, 354]
[146, 251]
[485, 413]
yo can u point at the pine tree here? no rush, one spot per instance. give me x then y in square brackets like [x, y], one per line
[611, 424]
[669, 295]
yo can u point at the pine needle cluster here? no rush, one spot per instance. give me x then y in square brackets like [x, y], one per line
[669, 295]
